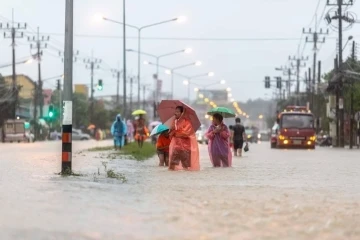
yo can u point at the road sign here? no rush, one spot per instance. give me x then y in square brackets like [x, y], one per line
[341, 103]
[357, 116]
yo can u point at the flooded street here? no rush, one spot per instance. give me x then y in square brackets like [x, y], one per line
[268, 194]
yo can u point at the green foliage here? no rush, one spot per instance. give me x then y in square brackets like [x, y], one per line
[101, 117]
[5, 104]
[80, 110]
[132, 150]
[147, 151]
[348, 88]
[100, 149]
[119, 176]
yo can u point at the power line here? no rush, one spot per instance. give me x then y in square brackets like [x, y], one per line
[182, 38]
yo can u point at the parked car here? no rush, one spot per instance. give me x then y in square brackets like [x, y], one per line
[29, 136]
[77, 135]
[200, 135]
[250, 135]
[14, 131]
[274, 133]
[263, 136]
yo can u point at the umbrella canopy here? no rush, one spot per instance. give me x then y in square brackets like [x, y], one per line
[223, 111]
[27, 125]
[155, 123]
[166, 112]
[139, 112]
[91, 126]
[159, 129]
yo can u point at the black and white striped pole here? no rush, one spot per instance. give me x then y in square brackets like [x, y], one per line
[68, 90]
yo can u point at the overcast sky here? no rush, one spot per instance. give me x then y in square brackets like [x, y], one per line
[242, 57]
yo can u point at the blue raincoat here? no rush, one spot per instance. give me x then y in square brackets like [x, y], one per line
[119, 130]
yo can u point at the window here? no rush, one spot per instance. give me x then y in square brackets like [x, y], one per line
[297, 121]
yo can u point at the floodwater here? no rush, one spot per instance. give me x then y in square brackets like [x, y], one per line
[268, 194]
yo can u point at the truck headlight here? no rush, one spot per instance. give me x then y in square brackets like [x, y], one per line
[281, 137]
[259, 135]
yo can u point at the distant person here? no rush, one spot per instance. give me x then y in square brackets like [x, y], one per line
[141, 131]
[130, 131]
[231, 138]
[162, 148]
[219, 147]
[153, 137]
[118, 130]
[239, 137]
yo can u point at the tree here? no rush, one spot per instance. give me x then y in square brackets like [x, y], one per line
[5, 101]
[80, 110]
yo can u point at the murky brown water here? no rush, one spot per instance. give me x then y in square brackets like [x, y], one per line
[268, 194]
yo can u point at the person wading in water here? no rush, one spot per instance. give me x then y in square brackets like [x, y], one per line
[239, 137]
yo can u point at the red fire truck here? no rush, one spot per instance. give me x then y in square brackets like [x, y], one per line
[295, 129]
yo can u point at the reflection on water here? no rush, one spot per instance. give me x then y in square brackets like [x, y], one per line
[268, 194]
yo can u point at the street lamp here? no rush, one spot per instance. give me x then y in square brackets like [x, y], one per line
[28, 61]
[170, 71]
[139, 29]
[157, 57]
[349, 39]
[187, 81]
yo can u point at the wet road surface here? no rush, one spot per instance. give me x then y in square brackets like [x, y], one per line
[268, 194]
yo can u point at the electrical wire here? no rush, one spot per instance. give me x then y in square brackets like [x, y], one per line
[181, 38]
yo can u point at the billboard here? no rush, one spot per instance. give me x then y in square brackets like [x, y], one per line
[82, 88]
[217, 96]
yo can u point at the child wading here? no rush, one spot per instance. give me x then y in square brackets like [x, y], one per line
[162, 147]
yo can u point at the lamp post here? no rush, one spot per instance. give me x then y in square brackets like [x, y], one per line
[171, 72]
[204, 87]
[158, 57]
[139, 29]
[188, 81]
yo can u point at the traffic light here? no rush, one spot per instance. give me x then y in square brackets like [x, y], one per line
[58, 85]
[267, 82]
[51, 111]
[100, 85]
[278, 82]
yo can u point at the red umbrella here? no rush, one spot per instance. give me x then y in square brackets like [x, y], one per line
[166, 111]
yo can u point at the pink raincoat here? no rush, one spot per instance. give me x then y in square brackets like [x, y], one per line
[184, 149]
[219, 147]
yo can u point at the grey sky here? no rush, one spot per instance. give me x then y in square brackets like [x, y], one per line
[243, 64]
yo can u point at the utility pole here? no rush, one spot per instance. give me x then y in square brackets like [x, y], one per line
[92, 64]
[337, 99]
[144, 86]
[315, 40]
[340, 17]
[124, 59]
[131, 92]
[68, 90]
[298, 64]
[39, 45]
[36, 130]
[58, 87]
[144, 92]
[11, 31]
[117, 74]
[310, 99]
[318, 110]
[353, 58]
[287, 72]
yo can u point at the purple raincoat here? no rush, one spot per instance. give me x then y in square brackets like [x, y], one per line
[219, 147]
